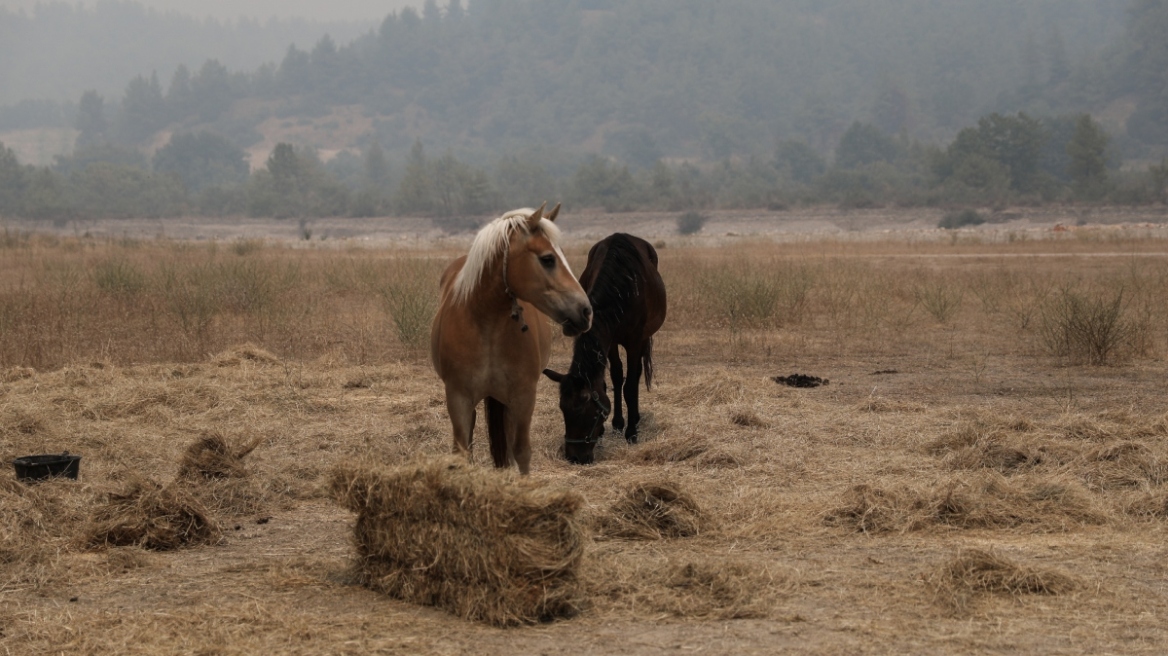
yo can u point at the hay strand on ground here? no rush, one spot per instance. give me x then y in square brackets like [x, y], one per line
[985, 500]
[481, 544]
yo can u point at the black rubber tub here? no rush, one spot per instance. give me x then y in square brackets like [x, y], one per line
[38, 468]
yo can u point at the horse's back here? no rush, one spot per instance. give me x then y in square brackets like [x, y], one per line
[650, 313]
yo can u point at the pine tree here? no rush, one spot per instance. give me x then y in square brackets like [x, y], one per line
[414, 194]
[91, 123]
[1087, 151]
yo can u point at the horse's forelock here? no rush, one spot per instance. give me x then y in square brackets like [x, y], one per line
[489, 244]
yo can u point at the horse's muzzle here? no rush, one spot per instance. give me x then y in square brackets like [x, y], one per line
[580, 323]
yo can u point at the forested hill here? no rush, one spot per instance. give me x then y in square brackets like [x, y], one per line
[456, 110]
[640, 79]
[693, 77]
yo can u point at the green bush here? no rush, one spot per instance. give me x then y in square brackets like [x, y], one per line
[691, 222]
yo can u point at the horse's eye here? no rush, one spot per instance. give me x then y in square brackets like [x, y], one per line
[548, 261]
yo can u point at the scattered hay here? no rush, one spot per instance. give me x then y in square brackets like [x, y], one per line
[37, 520]
[151, 516]
[674, 449]
[879, 404]
[210, 457]
[1144, 505]
[717, 389]
[20, 421]
[1085, 427]
[213, 472]
[1123, 465]
[652, 511]
[13, 374]
[986, 500]
[237, 355]
[976, 571]
[481, 544]
[711, 587]
[691, 586]
[1002, 456]
[747, 418]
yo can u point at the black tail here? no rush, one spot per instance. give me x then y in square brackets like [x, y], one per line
[497, 432]
[647, 363]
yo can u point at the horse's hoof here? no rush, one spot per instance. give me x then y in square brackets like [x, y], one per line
[631, 439]
[618, 422]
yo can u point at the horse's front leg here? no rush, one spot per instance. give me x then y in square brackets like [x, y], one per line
[461, 409]
[616, 370]
[633, 391]
[519, 431]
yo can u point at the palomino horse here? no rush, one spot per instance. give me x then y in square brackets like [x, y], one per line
[628, 297]
[490, 337]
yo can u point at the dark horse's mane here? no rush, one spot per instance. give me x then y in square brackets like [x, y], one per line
[612, 292]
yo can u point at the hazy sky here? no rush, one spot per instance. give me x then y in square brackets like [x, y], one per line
[323, 10]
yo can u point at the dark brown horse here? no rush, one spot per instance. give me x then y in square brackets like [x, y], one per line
[628, 305]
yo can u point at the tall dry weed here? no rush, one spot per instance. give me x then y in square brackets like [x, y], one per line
[1088, 327]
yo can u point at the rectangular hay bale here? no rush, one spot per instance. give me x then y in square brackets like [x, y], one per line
[481, 544]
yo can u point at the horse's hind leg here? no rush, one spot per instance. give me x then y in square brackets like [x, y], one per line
[497, 431]
[633, 391]
[616, 370]
[462, 418]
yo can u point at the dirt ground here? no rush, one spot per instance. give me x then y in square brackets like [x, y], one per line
[1059, 469]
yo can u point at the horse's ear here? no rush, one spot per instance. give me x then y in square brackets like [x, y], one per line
[533, 220]
[557, 377]
[554, 213]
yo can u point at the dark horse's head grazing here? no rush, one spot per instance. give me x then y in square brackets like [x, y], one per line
[628, 304]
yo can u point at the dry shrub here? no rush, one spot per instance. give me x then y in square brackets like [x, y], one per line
[151, 516]
[975, 571]
[237, 355]
[651, 511]
[986, 500]
[483, 545]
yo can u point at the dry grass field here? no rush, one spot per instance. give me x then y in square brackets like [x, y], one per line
[986, 471]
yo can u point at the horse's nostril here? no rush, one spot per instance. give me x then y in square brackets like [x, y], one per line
[587, 311]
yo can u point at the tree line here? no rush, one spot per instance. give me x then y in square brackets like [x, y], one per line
[1003, 159]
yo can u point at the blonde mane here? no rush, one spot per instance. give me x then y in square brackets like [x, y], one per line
[490, 244]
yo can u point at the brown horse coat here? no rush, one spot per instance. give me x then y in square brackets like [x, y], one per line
[482, 348]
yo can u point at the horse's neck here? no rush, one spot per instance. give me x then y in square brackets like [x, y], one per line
[490, 297]
[590, 353]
